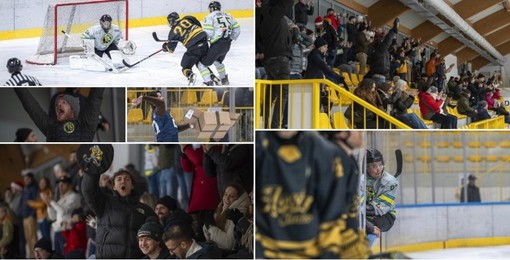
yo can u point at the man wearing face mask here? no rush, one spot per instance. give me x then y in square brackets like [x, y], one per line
[72, 122]
[119, 215]
[381, 195]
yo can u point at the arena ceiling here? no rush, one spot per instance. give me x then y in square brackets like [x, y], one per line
[490, 18]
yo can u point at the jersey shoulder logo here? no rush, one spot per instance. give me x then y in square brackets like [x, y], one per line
[289, 153]
[339, 169]
[69, 127]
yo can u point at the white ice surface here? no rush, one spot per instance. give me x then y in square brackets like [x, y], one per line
[163, 69]
[494, 252]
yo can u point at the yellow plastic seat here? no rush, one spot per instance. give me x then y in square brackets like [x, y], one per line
[354, 79]
[177, 113]
[222, 101]
[188, 97]
[443, 158]
[347, 79]
[491, 158]
[490, 144]
[505, 158]
[418, 113]
[442, 144]
[474, 144]
[505, 144]
[148, 119]
[425, 144]
[475, 158]
[458, 158]
[457, 144]
[324, 121]
[425, 158]
[408, 158]
[209, 97]
[135, 115]
[339, 121]
[333, 97]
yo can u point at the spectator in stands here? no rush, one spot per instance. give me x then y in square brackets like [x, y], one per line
[42, 250]
[231, 163]
[430, 66]
[234, 204]
[482, 110]
[276, 41]
[17, 188]
[441, 72]
[325, 31]
[168, 184]
[317, 68]
[244, 233]
[364, 118]
[362, 40]
[352, 35]
[149, 199]
[302, 9]
[431, 107]
[170, 214]
[402, 102]
[40, 207]
[60, 211]
[298, 48]
[8, 238]
[180, 243]
[25, 135]
[119, 215]
[150, 241]
[183, 178]
[204, 195]
[333, 19]
[75, 235]
[493, 96]
[464, 108]
[399, 63]
[151, 169]
[30, 193]
[455, 88]
[344, 63]
[380, 57]
[473, 192]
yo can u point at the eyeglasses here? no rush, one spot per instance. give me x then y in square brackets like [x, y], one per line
[375, 165]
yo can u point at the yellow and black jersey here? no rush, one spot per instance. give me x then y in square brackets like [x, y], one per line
[188, 31]
[305, 192]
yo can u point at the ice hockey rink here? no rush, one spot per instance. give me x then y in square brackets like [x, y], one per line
[163, 69]
[493, 252]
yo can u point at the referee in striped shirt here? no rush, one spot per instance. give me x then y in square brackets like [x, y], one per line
[14, 67]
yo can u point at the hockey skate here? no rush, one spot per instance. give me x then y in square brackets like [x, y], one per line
[215, 80]
[224, 81]
[191, 79]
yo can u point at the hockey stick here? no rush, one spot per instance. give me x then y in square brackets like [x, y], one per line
[136, 63]
[398, 156]
[156, 38]
[96, 57]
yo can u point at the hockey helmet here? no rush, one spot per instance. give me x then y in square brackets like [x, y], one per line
[14, 65]
[105, 21]
[373, 155]
[214, 6]
[173, 18]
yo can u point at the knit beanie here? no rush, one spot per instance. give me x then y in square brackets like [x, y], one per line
[400, 83]
[319, 42]
[44, 243]
[168, 202]
[22, 134]
[152, 230]
[73, 101]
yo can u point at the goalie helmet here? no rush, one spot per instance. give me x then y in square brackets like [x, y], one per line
[173, 18]
[106, 22]
[214, 6]
[373, 155]
[14, 65]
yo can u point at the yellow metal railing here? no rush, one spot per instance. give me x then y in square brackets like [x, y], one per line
[491, 123]
[343, 98]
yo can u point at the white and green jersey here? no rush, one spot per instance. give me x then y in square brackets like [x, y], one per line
[381, 194]
[101, 38]
[219, 25]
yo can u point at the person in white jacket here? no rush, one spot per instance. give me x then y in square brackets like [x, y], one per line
[234, 205]
[60, 211]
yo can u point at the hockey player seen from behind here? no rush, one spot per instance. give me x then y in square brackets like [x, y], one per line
[188, 31]
[165, 128]
[221, 29]
[14, 67]
[106, 36]
[381, 195]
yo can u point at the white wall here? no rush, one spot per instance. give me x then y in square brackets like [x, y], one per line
[448, 221]
[24, 14]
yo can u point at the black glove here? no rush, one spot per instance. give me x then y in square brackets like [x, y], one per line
[95, 159]
[234, 215]
[165, 47]
[396, 23]
[207, 219]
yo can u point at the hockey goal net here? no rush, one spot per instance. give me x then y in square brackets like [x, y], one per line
[74, 17]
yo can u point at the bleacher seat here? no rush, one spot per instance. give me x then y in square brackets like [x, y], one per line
[324, 122]
[188, 97]
[339, 121]
[177, 113]
[135, 115]
[209, 98]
